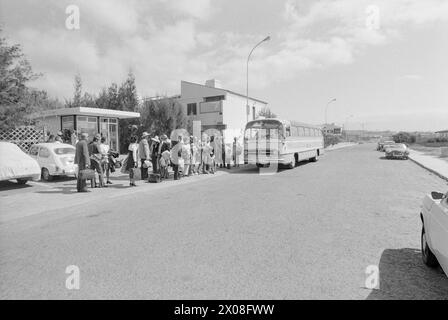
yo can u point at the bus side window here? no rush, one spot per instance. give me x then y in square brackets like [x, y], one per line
[307, 132]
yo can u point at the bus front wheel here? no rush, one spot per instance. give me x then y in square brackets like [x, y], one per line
[290, 165]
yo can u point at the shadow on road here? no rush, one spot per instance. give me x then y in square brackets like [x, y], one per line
[384, 158]
[252, 169]
[404, 276]
[10, 185]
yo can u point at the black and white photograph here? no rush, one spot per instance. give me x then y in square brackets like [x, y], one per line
[248, 152]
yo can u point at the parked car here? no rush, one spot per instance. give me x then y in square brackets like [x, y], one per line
[434, 237]
[381, 144]
[55, 159]
[16, 164]
[397, 151]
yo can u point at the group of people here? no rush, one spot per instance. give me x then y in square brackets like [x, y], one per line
[187, 155]
[95, 155]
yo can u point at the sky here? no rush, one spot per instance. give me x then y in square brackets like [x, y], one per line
[385, 62]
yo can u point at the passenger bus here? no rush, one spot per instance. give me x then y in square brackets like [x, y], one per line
[281, 141]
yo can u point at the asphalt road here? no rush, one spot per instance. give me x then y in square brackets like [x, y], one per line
[306, 233]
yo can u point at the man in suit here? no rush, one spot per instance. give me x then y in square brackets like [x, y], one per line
[82, 159]
[143, 151]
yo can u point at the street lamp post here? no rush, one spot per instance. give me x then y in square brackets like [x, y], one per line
[247, 76]
[326, 109]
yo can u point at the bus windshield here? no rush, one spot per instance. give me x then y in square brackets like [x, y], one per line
[264, 129]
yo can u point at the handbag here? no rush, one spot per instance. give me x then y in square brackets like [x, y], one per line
[137, 173]
[87, 174]
[146, 164]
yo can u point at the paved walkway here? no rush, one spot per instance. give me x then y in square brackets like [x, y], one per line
[436, 166]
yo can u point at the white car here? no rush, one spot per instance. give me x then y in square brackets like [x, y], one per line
[434, 237]
[16, 164]
[55, 159]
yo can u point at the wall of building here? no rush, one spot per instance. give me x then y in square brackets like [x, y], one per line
[233, 108]
[235, 115]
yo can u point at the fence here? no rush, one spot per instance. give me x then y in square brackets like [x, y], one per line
[24, 136]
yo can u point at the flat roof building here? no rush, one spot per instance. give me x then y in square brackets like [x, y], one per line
[89, 120]
[218, 109]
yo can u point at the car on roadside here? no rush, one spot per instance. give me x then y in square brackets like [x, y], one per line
[397, 151]
[434, 236]
[16, 164]
[381, 144]
[55, 159]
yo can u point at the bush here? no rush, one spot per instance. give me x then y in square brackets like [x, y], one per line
[331, 139]
[404, 137]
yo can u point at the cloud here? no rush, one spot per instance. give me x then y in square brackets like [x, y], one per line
[165, 41]
[199, 9]
[411, 77]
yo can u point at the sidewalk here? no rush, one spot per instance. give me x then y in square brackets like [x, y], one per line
[436, 166]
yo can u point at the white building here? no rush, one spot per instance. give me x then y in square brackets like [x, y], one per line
[218, 108]
[331, 128]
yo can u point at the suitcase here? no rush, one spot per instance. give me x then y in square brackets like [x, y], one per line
[154, 178]
[87, 174]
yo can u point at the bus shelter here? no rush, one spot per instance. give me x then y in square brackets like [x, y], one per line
[85, 120]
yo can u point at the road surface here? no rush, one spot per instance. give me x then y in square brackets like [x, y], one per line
[306, 233]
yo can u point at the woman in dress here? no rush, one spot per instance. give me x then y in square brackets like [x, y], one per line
[132, 162]
[104, 149]
[195, 156]
[186, 156]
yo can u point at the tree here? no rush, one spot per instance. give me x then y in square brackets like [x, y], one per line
[77, 95]
[17, 100]
[162, 116]
[127, 94]
[266, 112]
[127, 100]
[15, 73]
[404, 137]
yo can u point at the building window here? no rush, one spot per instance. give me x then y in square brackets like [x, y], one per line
[210, 107]
[68, 123]
[192, 109]
[87, 125]
[214, 98]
